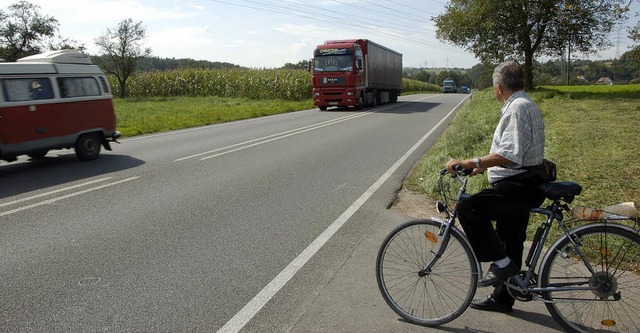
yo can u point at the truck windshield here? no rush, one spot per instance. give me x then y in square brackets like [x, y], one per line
[333, 63]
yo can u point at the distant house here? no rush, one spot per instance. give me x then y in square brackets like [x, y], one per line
[605, 80]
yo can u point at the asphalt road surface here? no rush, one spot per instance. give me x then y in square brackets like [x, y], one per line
[252, 225]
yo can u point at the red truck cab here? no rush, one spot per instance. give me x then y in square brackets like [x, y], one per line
[55, 100]
[355, 73]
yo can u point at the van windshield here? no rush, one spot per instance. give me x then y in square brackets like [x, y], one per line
[333, 63]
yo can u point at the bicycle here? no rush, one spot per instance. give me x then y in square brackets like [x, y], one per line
[589, 278]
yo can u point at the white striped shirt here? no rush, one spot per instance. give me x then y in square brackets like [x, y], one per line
[519, 137]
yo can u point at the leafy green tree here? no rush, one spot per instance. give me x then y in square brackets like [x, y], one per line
[634, 34]
[302, 64]
[522, 29]
[123, 49]
[422, 75]
[23, 30]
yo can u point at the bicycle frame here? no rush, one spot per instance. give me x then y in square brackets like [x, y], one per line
[553, 212]
[447, 226]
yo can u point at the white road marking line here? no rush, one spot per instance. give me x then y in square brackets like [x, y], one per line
[266, 137]
[53, 192]
[50, 201]
[241, 318]
[284, 136]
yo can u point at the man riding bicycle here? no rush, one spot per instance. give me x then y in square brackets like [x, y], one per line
[518, 142]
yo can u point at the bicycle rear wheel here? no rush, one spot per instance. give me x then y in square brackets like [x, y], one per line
[614, 253]
[434, 298]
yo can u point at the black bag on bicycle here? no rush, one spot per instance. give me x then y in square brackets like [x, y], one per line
[546, 170]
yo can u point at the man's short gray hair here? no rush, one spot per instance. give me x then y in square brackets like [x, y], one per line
[509, 75]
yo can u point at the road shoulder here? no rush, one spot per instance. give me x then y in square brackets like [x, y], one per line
[351, 302]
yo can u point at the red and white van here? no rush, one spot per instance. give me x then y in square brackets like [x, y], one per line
[55, 100]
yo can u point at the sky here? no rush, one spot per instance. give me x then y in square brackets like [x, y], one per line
[270, 33]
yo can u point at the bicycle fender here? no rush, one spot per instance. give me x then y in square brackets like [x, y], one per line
[586, 226]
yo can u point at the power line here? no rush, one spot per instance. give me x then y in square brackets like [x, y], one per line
[309, 11]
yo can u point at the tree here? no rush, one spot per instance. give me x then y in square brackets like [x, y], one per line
[123, 49]
[634, 34]
[302, 64]
[23, 30]
[522, 29]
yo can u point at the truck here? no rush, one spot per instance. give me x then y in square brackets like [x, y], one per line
[449, 86]
[355, 73]
[55, 100]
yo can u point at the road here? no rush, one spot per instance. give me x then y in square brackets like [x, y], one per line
[219, 228]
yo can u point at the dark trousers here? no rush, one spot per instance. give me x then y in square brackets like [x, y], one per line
[507, 203]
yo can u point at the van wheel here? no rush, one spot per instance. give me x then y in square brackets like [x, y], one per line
[88, 146]
[38, 154]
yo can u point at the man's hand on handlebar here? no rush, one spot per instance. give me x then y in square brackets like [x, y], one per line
[466, 165]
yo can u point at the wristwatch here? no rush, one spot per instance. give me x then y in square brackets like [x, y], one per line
[476, 160]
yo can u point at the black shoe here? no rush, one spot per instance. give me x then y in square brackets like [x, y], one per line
[497, 275]
[489, 304]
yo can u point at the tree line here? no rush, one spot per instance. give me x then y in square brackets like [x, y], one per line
[624, 70]
[526, 30]
[546, 28]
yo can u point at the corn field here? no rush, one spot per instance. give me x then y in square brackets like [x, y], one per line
[285, 84]
[258, 84]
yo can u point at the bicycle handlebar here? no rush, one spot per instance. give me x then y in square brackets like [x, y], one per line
[460, 171]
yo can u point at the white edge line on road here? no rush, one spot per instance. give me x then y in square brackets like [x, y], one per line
[19, 209]
[53, 192]
[241, 318]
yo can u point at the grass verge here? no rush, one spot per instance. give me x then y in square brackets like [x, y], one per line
[138, 116]
[591, 133]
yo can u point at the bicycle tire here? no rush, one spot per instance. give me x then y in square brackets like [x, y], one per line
[614, 252]
[433, 299]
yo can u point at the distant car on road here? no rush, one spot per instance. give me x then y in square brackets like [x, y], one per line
[449, 86]
[465, 89]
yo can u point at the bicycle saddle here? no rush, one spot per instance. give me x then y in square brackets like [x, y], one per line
[561, 190]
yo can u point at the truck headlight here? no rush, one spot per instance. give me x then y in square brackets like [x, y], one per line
[316, 94]
[350, 93]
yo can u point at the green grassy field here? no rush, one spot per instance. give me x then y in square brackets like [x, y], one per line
[591, 134]
[137, 116]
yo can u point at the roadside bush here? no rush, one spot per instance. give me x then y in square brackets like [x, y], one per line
[409, 85]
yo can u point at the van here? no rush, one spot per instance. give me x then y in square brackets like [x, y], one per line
[55, 100]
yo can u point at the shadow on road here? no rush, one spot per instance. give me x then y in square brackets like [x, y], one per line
[27, 176]
[405, 107]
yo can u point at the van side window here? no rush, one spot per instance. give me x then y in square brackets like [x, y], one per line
[78, 87]
[18, 90]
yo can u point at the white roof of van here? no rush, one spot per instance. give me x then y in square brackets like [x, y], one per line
[59, 57]
[52, 62]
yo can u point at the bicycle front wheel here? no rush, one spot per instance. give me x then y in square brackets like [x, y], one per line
[426, 298]
[613, 304]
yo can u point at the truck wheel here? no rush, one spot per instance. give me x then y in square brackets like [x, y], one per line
[88, 146]
[361, 101]
[322, 108]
